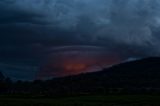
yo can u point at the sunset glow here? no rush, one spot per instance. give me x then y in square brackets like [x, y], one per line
[76, 60]
[75, 67]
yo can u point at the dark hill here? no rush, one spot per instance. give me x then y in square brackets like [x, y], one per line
[145, 72]
[136, 76]
[140, 76]
[139, 73]
[141, 69]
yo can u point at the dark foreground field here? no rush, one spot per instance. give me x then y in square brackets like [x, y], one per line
[118, 100]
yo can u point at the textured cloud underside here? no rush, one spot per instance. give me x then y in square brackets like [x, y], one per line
[133, 23]
[29, 28]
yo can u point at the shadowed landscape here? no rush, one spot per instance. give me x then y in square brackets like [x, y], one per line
[79, 52]
[110, 100]
[131, 83]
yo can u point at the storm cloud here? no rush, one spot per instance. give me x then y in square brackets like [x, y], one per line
[127, 27]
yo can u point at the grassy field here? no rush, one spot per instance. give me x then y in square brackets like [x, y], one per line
[119, 100]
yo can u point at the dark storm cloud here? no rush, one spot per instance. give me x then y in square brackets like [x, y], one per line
[127, 27]
[122, 24]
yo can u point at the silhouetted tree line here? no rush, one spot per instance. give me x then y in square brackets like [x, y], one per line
[139, 77]
[77, 85]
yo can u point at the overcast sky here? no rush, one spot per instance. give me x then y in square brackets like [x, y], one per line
[29, 27]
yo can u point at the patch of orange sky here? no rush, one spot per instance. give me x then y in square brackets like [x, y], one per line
[72, 66]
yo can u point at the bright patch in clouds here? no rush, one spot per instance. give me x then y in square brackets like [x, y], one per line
[73, 60]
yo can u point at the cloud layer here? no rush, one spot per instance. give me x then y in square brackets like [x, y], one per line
[127, 27]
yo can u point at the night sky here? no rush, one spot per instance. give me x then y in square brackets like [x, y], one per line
[31, 31]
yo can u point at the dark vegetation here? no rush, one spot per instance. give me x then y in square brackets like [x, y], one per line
[137, 77]
[110, 100]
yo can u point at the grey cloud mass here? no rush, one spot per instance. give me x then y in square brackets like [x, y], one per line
[130, 28]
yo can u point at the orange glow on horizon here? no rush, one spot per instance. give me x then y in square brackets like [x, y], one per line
[76, 62]
[74, 66]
